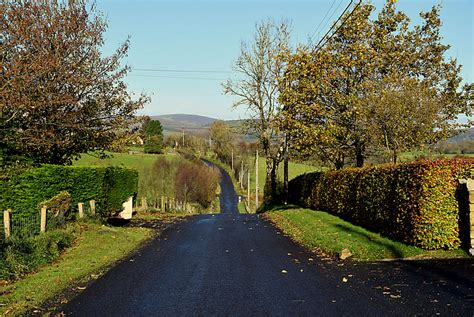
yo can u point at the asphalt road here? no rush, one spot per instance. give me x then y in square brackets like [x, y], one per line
[239, 265]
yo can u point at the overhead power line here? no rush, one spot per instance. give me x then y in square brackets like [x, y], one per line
[180, 70]
[325, 38]
[322, 20]
[178, 77]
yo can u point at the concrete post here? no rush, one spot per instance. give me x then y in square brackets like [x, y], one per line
[43, 219]
[92, 204]
[6, 223]
[81, 210]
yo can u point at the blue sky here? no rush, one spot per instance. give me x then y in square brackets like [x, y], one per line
[206, 35]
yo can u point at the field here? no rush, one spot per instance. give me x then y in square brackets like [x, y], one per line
[294, 169]
[137, 160]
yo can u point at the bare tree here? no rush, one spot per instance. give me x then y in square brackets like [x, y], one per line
[260, 65]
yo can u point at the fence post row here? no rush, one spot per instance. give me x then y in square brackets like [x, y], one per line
[6, 223]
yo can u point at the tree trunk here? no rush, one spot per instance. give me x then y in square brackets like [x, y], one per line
[359, 153]
[394, 156]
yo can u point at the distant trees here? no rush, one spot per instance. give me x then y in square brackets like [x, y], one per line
[261, 63]
[196, 183]
[222, 138]
[153, 133]
[377, 83]
[58, 95]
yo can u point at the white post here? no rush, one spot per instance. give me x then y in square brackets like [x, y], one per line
[92, 203]
[43, 219]
[81, 210]
[6, 223]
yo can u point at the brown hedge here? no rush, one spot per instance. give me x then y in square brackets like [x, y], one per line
[412, 202]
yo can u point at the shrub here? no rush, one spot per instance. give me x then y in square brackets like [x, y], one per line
[413, 202]
[22, 255]
[109, 186]
[59, 204]
[196, 183]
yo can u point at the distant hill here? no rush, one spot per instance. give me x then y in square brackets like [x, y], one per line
[174, 123]
[465, 136]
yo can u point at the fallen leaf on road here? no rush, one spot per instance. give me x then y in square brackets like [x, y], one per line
[301, 270]
[344, 280]
[284, 271]
[81, 288]
[395, 296]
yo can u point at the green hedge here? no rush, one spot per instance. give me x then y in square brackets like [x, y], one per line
[109, 186]
[413, 202]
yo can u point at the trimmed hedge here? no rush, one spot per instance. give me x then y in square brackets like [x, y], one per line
[109, 186]
[412, 202]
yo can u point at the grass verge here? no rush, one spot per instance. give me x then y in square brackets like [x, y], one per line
[96, 248]
[320, 231]
[242, 208]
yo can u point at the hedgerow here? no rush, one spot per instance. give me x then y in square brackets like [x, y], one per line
[109, 186]
[413, 202]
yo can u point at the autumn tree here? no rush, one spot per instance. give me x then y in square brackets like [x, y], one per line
[222, 138]
[196, 183]
[59, 96]
[260, 65]
[375, 82]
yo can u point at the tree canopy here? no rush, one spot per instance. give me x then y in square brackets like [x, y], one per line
[377, 83]
[59, 96]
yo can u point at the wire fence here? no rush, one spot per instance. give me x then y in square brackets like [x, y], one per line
[2, 232]
[21, 226]
[25, 226]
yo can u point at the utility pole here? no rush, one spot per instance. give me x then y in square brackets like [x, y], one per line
[285, 171]
[183, 137]
[241, 175]
[232, 162]
[256, 182]
[248, 188]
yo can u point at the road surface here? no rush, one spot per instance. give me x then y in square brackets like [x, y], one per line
[239, 265]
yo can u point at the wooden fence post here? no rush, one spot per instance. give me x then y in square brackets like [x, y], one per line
[81, 210]
[43, 220]
[92, 204]
[144, 204]
[6, 223]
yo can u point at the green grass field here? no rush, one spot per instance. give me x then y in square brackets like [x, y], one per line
[294, 169]
[320, 230]
[139, 161]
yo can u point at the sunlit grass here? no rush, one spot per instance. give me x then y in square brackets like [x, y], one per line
[318, 229]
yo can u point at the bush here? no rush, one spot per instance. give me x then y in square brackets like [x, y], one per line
[59, 204]
[413, 202]
[197, 183]
[22, 255]
[109, 186]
